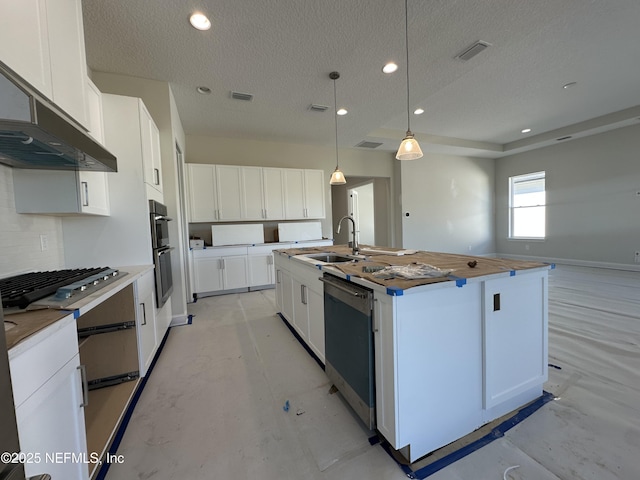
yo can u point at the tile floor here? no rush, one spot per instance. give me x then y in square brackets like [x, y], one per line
[213, 406]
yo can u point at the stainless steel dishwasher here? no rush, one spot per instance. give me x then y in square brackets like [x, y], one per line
[349, 361]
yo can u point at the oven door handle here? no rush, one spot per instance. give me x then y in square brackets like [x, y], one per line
[162, 218]
[341, 287]
[164, 250]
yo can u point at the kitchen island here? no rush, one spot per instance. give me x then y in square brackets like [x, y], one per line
[451, 353]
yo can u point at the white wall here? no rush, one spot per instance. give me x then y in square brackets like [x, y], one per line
[593, 210]
[447, 204]
[20, 235]
[232, 151]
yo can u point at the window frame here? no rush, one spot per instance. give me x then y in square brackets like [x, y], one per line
[513, 180]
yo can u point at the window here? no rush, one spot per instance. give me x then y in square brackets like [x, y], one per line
[527, 206]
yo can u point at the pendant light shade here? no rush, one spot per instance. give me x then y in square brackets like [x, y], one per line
[409, 148]
[337, 177]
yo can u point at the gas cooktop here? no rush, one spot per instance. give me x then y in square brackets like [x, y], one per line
[56, 289]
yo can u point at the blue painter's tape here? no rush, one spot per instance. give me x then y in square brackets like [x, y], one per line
[456, 455]
[76, 313]
[190, 320]
[460, 282]
[553, 266]
[512, 273]
[348, 278]
[319, 266]
[395, 291]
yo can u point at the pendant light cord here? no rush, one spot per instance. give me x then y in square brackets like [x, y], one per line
[406, 44]
[335, 117]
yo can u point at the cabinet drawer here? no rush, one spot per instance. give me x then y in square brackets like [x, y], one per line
[34, 367]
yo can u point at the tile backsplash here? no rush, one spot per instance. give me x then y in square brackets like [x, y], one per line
[20, 235]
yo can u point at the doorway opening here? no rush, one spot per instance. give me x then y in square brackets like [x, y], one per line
[368, 200]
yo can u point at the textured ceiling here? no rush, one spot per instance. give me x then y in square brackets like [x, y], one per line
[282, 52]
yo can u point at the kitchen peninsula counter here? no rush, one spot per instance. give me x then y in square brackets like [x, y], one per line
[451, 353]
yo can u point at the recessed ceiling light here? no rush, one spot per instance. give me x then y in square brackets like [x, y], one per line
[390, 67]
[526, 130]
[418, 111]
[203, 90]
[200, 21]
[569, 85]
[342, 111]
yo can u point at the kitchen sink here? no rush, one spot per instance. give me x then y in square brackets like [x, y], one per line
[331, 258]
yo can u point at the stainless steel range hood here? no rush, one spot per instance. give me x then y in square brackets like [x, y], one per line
[35, 133]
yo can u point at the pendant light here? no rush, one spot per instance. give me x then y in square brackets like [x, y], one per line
[337, 177]
[409, 148]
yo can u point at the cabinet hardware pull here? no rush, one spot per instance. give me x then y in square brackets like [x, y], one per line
[278, 276]
[85, 386]
[85, 191]
[496, 302]
[376, 325]
[156, 174]
[144, 314]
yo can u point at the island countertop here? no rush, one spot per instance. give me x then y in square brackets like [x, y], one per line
[370, 256]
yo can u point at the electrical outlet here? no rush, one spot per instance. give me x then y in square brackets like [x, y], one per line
[637, 257]
[44, 243]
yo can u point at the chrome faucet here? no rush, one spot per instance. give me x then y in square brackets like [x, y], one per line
[354, 242]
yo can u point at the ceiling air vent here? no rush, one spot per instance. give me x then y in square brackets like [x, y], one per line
[563, 138]
[366, 144]
[247, 97]
[318, 108]
[473, 50]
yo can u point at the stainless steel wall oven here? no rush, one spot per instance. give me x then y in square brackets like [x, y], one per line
[161, 251]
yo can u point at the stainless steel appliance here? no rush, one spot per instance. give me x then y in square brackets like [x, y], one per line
[35, 133]
[161, 251]
[349, 360]
[10, 467]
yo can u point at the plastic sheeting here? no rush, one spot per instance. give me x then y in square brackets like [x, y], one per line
[592, 430]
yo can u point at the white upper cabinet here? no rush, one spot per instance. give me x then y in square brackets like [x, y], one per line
[151, 161]
[24, 41]
[304, 193]
[262, 194]
[201, 180]
[68, 58]
[228, 193]
[273, 193]
[252, 194]
[43, 41]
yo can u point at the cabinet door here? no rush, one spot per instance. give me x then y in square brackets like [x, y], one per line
[94, 107]
[315, 301]
[252, 195]
[150, 139]
[203, 205]
[208, 274]
[52, 421]
[60, 192]
[515, 336]
[234, 272]
[228, 192]
[287, 295]
[294, 193]
[24, 41]
[301, 308]
[68, 58]
[260, 270]
[94, 193]
[273, 193]
[145, 321]
[314, 194]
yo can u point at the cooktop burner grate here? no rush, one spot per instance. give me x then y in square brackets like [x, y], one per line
[21, 290]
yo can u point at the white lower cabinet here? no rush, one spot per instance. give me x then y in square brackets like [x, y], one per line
[261, 270]
[50, 403]
[300, 298]
[217, 269]
[145, 321]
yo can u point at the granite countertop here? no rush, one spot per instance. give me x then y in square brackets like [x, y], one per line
[25, 324]
[460, 265]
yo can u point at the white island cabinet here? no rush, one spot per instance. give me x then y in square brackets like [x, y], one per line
[449, 356]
